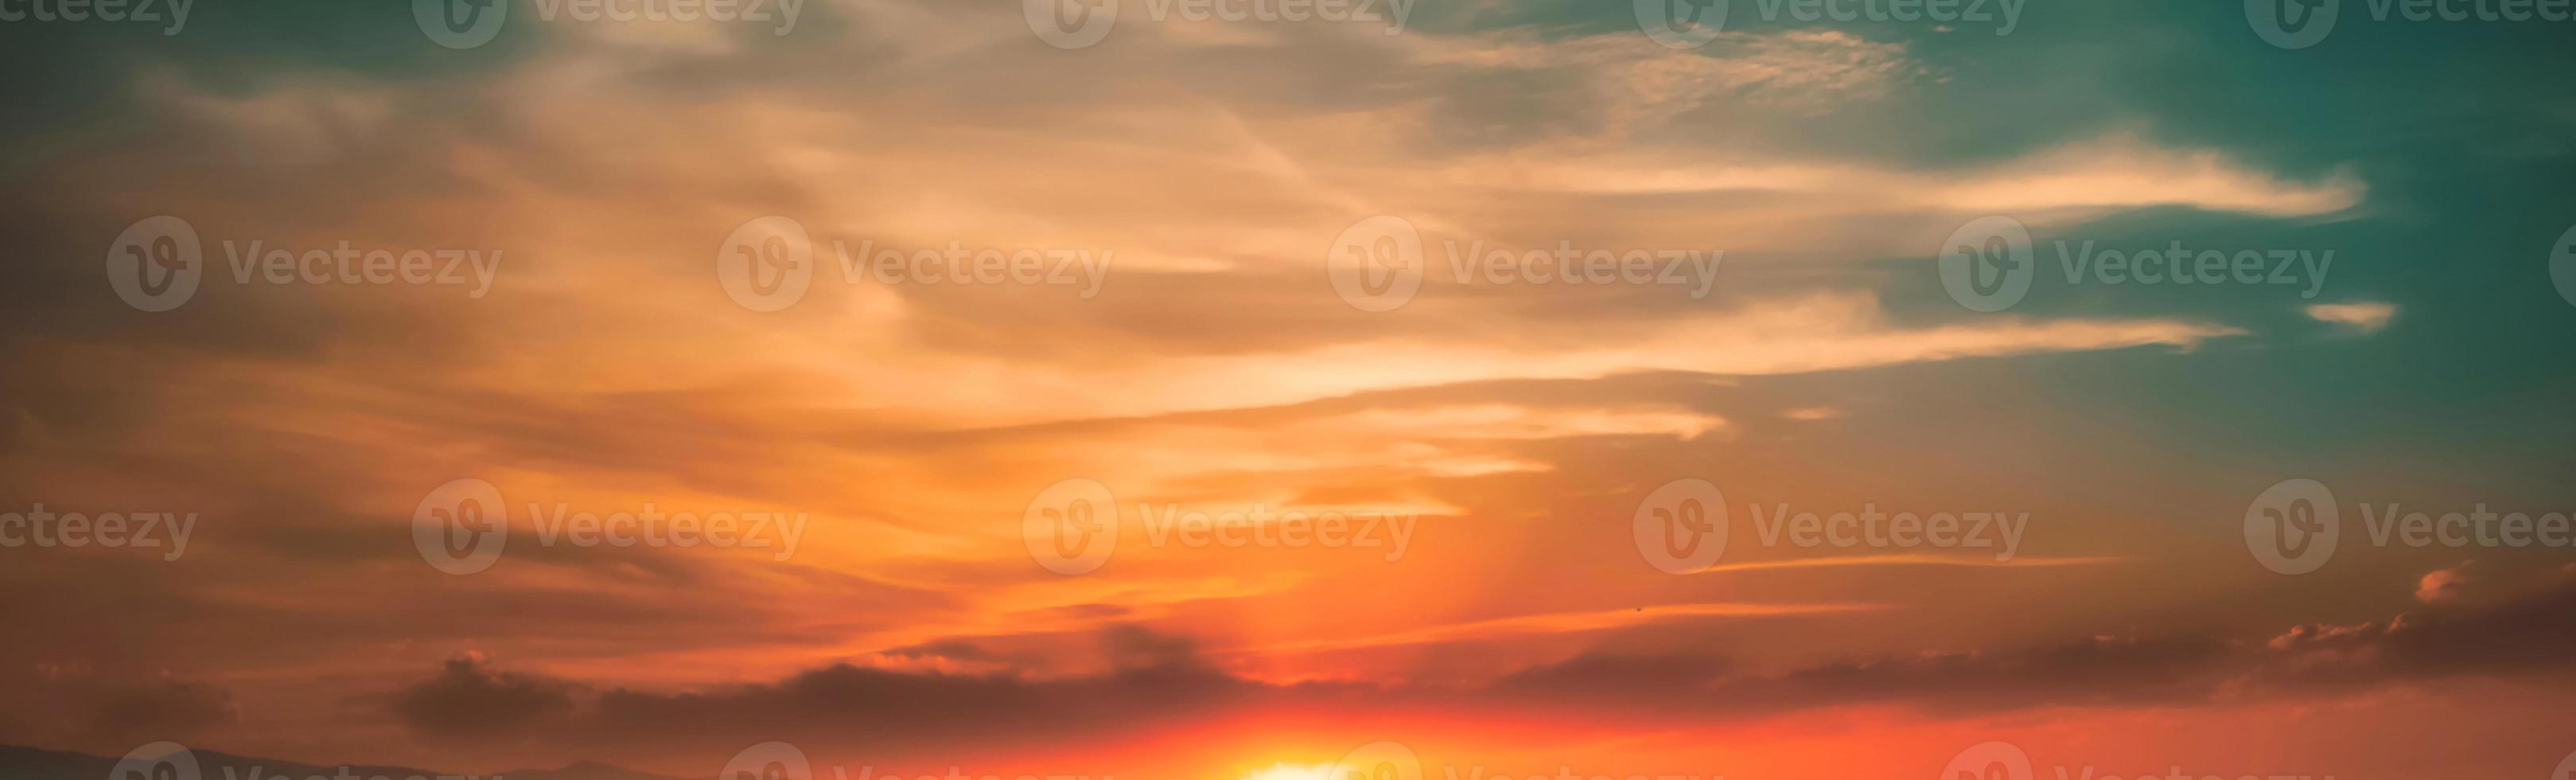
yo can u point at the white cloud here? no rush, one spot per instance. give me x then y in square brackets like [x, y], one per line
[2364, 316]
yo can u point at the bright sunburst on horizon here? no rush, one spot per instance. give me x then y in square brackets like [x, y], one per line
[1286, 771]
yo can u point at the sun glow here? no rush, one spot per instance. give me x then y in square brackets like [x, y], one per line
[1291, 772]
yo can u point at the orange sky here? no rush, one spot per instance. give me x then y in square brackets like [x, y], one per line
[1177, 503]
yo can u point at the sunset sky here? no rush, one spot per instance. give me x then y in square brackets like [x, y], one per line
[601, 205]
